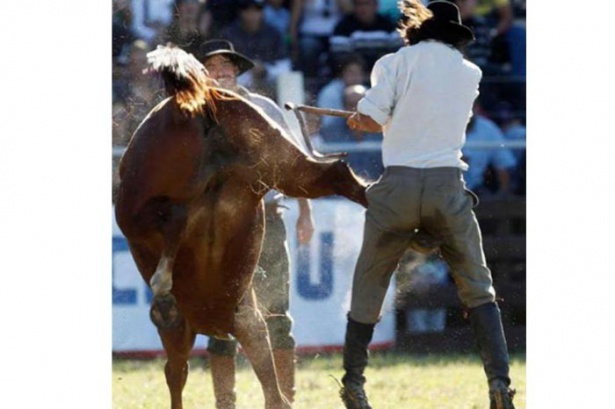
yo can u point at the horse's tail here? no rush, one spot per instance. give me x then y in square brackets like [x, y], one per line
[184, 77]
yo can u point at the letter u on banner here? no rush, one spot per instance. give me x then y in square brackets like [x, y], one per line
[324, 286]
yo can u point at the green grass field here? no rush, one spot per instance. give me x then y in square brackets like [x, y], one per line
[394, 381]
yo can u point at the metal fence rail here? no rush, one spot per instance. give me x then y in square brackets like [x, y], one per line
[375, 146]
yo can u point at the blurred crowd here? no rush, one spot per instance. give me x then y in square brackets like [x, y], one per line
[334, 43]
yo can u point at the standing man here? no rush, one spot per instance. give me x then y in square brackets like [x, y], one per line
[421, 98]
[271, 284]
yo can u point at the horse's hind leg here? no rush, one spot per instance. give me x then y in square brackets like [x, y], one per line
[251, 332]
[164, 312]
[178, 343]
[313, 179]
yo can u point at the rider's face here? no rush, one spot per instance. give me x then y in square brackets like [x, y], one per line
[222, 69]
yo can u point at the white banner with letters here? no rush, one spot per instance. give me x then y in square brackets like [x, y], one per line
[321, 278]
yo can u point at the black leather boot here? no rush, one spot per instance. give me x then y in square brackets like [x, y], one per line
[486, 323]
[358, 337]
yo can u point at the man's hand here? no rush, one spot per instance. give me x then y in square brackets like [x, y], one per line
[305, 223]
[360, 122]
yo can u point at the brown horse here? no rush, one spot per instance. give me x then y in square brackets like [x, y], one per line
[189, 204]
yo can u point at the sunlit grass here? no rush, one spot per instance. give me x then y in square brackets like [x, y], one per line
[394, 381]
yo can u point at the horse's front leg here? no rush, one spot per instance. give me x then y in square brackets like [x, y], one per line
[251, 332]
[178, 343]
[164, 312]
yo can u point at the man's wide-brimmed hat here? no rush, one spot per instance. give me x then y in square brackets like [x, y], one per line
[223, 47]
[446, 17]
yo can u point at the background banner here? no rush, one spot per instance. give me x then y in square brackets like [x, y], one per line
[321, 278]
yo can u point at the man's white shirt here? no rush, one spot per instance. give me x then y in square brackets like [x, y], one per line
[422, 95]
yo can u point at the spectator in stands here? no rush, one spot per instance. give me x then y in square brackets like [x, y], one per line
[367, 31]
[390, 10]
[311, 25]
[121, 29]
[508, 39]
[367, 164]
[277, 16]
[122, 37]
[224, 13]
[205, 23]
[519, 11]
[350, 71]
[499, 13]
[482, 129]
[184, 29]
[365, 17]
[338, 130]
[511, 124]
[150, 18]
[260, 42]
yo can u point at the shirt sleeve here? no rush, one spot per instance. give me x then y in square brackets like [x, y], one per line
[379, 100]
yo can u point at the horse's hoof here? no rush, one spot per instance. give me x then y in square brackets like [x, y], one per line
[164, 312]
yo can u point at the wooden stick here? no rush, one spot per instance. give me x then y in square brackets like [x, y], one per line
[320, 111]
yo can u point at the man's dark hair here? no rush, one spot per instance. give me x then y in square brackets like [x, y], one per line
[429, 31]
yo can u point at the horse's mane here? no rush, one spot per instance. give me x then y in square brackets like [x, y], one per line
[184, 77]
